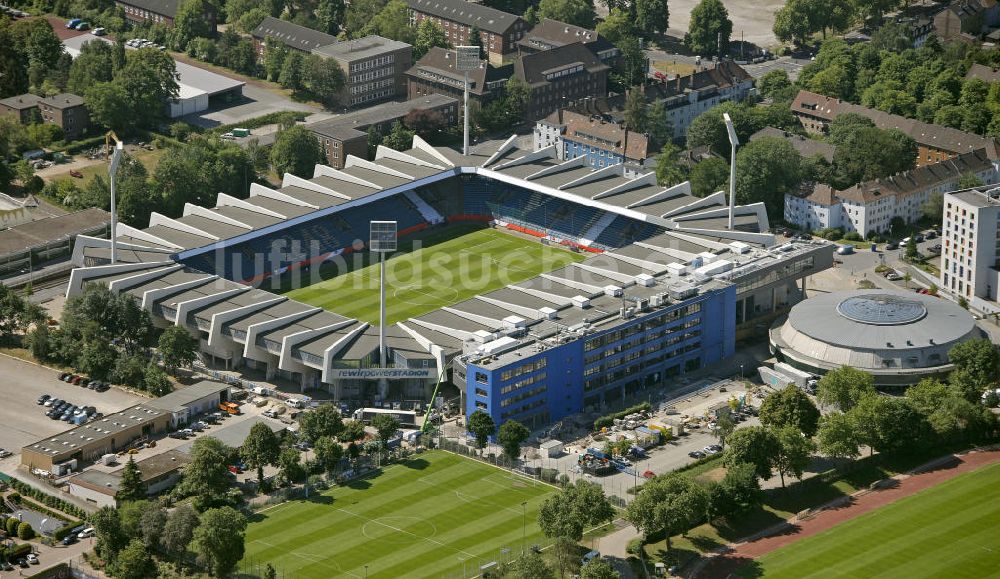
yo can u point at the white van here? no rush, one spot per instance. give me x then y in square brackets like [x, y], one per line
[295, 403]
[88, 532]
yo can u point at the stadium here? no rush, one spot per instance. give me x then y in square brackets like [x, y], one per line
[534, 287]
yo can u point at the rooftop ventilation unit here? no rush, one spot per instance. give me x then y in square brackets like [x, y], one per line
[580, 302]
[514, 322]
[613, 291]
[645, 280]
[677, 268]
[739, 247]
[682, 292]
[547, 313]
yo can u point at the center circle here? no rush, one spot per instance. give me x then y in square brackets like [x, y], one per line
[399, 530]
[882, 310]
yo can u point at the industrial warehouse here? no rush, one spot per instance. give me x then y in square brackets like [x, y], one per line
[671, 282]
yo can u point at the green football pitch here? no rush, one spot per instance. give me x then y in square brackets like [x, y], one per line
[438, 515]
[450, 267]
[950, 530]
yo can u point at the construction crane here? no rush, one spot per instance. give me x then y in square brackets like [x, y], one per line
[115, 156]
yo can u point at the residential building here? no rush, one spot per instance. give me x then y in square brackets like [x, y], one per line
[161, 12]
[435, 73]
[966, 20]
[23, 108]
[499, 31]
[871, 206]
[560, 76]
[934, 142]
[374, 68]
[549, 34]
[970, 246]
[805, 146]
[294, 36]
[68, 111]
[601, 141]
[347, 134]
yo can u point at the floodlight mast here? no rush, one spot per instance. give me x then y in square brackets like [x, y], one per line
[466, 59]
[116, 159]
[382, 240]
[733, 142]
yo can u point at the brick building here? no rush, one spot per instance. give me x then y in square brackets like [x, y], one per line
[435, 73]
[499, 31]
[161, 12]
[549, 34]
[68, 111]
[559, 76]
[295, 37]
[23, 108]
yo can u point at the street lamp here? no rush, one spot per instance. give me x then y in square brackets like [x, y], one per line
[366, 571]
[116, 159]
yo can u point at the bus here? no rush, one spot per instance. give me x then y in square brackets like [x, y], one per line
[405, 417]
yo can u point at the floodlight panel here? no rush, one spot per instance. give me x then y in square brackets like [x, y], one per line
[466, 58]
[383, 236]
[733, 139]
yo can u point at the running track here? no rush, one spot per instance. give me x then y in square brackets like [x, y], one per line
[737, 555]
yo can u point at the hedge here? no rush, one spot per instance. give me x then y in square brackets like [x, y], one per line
[48, 500]
[608, 420]
[274, 118]
[12, 553]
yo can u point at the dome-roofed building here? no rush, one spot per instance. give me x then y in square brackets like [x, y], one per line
[899, 337]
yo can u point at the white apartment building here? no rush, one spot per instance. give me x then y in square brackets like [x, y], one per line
[871, 206]
[970, 246]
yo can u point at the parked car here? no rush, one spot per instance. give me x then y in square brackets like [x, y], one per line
[4, 453]
[178, 435]
[64, 375]
[43, 398]
[891, 246]
[234, 469]
[32, 558]
[648, 474]
[75, 173]
[918, 237]
[696, 454]
[931, 234]
[104, 387]
[23, 563]
[69, 539]
[99, 31]
[83, 26]
[198, 426]
[88, 532]
[72, 23]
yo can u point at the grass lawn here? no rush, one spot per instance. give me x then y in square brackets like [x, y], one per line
[450, 266]
[946, 531]
[148, 158]
[422, 518]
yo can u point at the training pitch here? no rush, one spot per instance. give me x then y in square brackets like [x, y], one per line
[423, 518]
[950, 530]
[443, 269]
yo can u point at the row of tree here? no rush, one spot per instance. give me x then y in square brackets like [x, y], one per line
[110, 337]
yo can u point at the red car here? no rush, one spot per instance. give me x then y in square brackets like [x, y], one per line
[235, 469]
[648, 474]
[75, 173]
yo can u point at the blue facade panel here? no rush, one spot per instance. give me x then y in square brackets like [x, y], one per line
[596, 157]
[604, 367]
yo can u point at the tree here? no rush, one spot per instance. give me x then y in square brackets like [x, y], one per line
[776, 85]
[25, 531]
[296, 151]
[261, 447]
[669, 504]
[324, 78]
[738, 491]
[482, 427]
[353, 430]
[867, 153]
[794, 449]
[290, 76]
[577, 507]
[475, 39]
[329, 15]
[179, 529]
[843, 387]
[155, 381]
[108, 530]
[324, 420]
[790, 407]
[131, 487]
[977, 365]
[661, 129]
[634, 62]
[933, 208]
[17, 315]
[837, 436]
[652, 16]
[97, 358]
[385, 427]
[668, 171]
[928, 394]
[189, 23]
[709, 176]
[530, 565]
[754, 445]
[617, 26]
[598, 569]
[573, 12]
[888, 425]
[275, 53]
[177, 347]
[207, 476]
[635, 110]
[429, 35]
[151, 525]
[148, 80]
[709, 30]
[93, 65]
[290, 465]
[134, 562]
[724, 426]
[399, 138]
[328, 452]
[767, 169]
[512, 435]
[911, 254]
[391, 19]
[218, 540]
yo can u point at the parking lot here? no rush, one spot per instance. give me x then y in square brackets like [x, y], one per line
[23, 421]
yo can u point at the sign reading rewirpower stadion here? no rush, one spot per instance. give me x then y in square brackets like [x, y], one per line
[380, 373]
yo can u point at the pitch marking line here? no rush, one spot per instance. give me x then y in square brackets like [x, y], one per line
[397, 529]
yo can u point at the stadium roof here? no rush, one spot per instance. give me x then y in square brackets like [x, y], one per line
[687, 232]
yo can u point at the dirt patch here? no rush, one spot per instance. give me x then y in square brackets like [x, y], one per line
[714, 475]
[857, 505]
